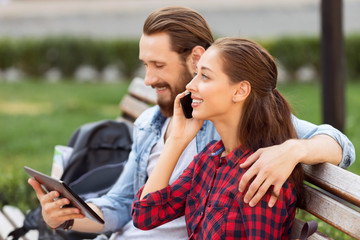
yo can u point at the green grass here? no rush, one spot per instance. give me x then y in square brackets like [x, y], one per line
[36, 116]
[305, 100]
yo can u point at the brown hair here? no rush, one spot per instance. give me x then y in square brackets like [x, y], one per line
[267, 115]
[186, 28]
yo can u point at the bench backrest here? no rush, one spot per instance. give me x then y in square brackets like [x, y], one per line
[139, 98]
[333, 194]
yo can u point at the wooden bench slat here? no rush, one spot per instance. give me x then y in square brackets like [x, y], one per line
[335, 180]
[14, 214]
[5, 226]
[333, 212]
[132, 107]
[17, 218]
[139, 90]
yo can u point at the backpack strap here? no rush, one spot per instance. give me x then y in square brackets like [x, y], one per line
[308, 229]
[17, 233]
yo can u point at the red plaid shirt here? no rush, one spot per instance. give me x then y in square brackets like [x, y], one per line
[207, 193]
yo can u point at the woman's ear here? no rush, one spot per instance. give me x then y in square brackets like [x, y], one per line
[194, 57]
[242, 91]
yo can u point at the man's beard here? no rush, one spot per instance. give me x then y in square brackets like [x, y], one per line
[167, 107]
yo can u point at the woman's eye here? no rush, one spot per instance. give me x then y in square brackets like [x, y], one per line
[159, 66]
[204, 76]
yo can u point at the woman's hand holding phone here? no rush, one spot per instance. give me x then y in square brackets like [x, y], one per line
[180, 132]
[186, 105]
[183, 127]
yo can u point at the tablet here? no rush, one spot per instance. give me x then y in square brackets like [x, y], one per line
[52, 184]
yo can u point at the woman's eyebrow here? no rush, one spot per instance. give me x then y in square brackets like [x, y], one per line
[206, 68]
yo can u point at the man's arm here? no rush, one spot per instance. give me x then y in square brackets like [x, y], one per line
[273, 165]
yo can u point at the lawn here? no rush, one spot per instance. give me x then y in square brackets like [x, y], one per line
[36, 116]
[305, 100]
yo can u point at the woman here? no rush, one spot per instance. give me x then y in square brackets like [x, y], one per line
[235, 88]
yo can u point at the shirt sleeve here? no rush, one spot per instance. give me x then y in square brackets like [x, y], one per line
[306, 129]
[263, 222]
[162, 206]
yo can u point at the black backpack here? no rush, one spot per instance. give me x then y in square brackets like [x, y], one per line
[100, 151]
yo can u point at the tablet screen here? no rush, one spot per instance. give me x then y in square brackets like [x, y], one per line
[52, 184]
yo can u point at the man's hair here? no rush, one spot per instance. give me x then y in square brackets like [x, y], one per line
[266, 118]
[185, 27]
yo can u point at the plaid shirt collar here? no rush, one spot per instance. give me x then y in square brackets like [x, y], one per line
[232, 158]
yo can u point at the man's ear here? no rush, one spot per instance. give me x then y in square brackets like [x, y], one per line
[242, 91]
[194, 57]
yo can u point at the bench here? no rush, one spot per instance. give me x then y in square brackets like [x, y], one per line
[333, 194]
[10, 218]
[334, 197]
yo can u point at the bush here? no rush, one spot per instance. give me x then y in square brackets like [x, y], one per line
[35, 57]
[16, 191]
[9, 53]
[352, 50]
[296, 52]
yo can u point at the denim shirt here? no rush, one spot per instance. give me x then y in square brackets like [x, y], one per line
[116, 204]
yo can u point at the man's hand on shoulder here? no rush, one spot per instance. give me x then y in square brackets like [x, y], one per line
[268, 167]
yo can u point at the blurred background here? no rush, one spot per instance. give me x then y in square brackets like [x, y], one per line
[64, 63]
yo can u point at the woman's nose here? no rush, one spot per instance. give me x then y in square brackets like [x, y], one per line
[191, 85]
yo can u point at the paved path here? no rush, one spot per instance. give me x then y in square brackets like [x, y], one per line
[124, 18]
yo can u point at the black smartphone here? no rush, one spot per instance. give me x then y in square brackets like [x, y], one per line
[186, 105]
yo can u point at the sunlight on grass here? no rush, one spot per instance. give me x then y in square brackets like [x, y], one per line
[25, 108]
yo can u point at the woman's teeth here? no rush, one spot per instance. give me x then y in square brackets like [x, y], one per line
[197, 101]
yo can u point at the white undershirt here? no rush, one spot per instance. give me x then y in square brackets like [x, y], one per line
[176, 229]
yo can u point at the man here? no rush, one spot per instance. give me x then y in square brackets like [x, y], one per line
[173, 41]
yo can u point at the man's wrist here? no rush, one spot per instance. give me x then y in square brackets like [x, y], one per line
[298, 149]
